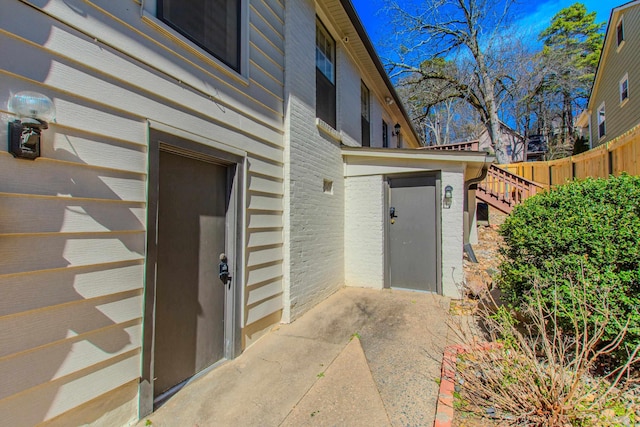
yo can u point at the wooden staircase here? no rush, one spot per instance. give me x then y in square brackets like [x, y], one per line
[501, 189]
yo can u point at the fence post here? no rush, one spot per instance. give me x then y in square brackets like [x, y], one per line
[610, 162]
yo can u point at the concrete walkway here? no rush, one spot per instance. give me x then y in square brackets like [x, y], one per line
[360, 358]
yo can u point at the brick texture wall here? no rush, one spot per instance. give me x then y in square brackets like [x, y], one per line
[364, 232]
[314, 215]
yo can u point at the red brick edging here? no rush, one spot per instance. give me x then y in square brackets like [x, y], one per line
[444, 408]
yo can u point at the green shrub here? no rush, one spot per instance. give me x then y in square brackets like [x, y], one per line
[579, 240]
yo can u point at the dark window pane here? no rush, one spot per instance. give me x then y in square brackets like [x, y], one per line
[365, 108]
[214, 25]
[366, 132]
[385, 135]
[325, 99]
[620, 31]
[601, 122]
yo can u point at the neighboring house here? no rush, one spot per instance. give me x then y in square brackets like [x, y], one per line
[514, 143]
[537, 147]
[614, 104]
[262, 129]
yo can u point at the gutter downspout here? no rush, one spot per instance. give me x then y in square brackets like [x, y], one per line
[467, 220]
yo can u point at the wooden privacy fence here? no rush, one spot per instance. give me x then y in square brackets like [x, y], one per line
[612, 158]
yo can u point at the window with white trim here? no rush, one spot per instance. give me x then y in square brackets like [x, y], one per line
[325, 75]
[602, 129]
[214, 25]
[624, 88]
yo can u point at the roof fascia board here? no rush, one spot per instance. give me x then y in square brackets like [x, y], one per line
[421, 155]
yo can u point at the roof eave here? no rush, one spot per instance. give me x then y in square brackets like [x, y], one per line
[364, 37]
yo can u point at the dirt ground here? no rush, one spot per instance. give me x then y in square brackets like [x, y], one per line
[481, 274]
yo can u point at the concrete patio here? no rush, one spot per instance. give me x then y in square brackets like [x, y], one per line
[360, 358]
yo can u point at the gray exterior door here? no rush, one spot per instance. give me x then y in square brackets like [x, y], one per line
[190, 298]
[413, 234]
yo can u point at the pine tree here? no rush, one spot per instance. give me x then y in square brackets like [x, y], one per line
[572, 45]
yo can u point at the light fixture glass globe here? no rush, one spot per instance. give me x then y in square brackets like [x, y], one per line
[32, 105]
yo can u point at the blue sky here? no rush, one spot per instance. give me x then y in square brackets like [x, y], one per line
[536, 15]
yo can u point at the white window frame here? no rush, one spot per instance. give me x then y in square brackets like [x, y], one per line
[324, 32]
[601, 122]
[624, 80]
[149, 14]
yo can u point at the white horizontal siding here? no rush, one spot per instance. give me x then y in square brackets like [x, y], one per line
[55, 178]
[119, 25]
[26, 331]
[263, 274]
[73, 223]
[48, 288]
[64, 394]
[74, 354]
[266, 290]
[51, 214]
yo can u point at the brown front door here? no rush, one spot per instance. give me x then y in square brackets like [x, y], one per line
[190, 299]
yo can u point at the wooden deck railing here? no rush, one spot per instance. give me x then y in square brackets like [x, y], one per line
[503, 189]
[460, 146]
[508, 185]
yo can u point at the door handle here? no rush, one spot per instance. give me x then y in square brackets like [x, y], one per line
[223, 270]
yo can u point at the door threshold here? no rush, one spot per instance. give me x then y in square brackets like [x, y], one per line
[162, 398]
[414, 290]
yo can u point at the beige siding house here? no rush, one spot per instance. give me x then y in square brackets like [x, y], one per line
[614, 104]
[173, 143]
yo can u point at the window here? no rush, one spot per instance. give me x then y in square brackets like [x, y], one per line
[601, 123]
[365, 108]
[624, 88]
[325, 52]
[620, 31]
[325, 76]
[385, 135]
[214, 25]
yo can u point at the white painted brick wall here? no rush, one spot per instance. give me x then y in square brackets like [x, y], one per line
[376, 122]
[314, 220]
[333, 239]
[452, 233]
[348, 96]
[365, 216]
[364, 232]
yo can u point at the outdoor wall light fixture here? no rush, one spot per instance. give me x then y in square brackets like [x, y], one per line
[396, 129]
[448, 196]
[34, 111]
